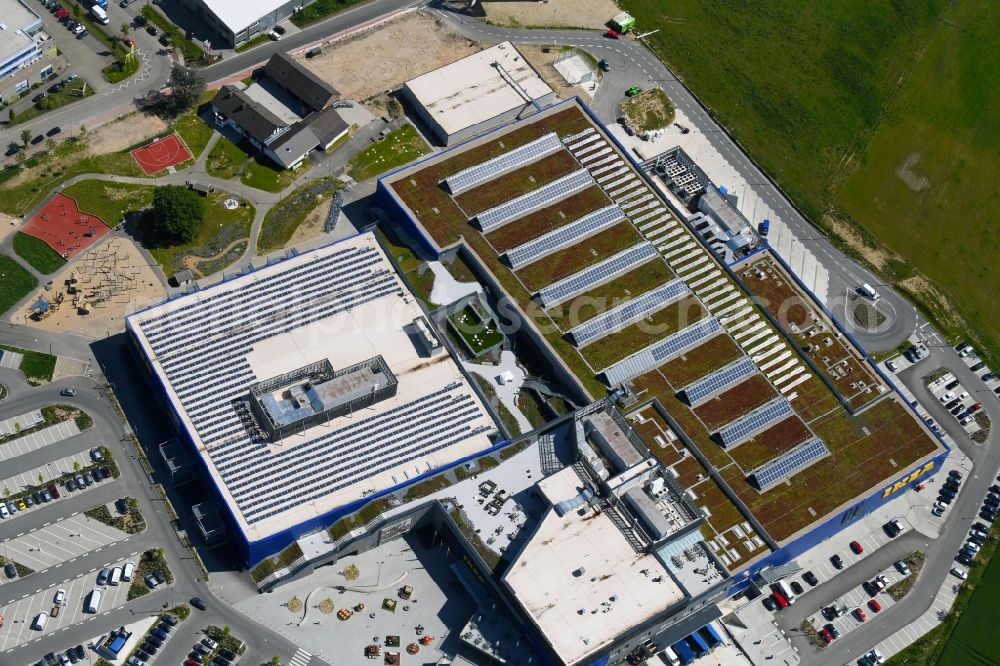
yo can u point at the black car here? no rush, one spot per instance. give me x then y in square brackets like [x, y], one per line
[279, 29]
[953, 403]
[83, 33]
[769, 603]
[56, 87]
[106, 472]
[164, 39]
[36, 496]
[149, 648]
[978, 366]
[964, 559]
[12, 149]
[837, 562]
[988, 516]
[829, 613]
[944, 499]
[228, 654]
[141, 654]
[796, 587]
[80, 652]
[50, 658]
[951, 385]
[71, 653]
[170, 619]
[948, 492]
[951, 485]
[154, 640]
[955, 411]
[221, 661]
[955, 474]
[977, 539]
[38, 98]
[151, 29]
[869, 588]
[810, 578]
[198, 603]
[53, 131]
[10, 570]
[833, 631]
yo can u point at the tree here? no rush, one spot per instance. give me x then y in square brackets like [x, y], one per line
[175, 216]
[275, 660]
[6, 491]
[50, 144]
[21, 157]
[76, 465]
[83, 132]
[186, 88]
[125, 28]
[25, 137]
[10, 115]
[41, 479]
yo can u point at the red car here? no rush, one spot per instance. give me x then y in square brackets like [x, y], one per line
[857, 548]
[824, 633]
[860, 614]
[612, 34]
[129, 43]
[192, 662]
[780, 600]
[874, 605]
[975, 408]
[61, 13]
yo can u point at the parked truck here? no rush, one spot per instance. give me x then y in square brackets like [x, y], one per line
[100, 15]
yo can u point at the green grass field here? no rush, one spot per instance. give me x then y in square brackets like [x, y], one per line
[262, 174]
[399, 147]
[15, 283]
[108, 200]
[225, 159]
[973, 639]
[33, 250]
[282, 220]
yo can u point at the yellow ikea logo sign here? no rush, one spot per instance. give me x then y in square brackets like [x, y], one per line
[902, 483]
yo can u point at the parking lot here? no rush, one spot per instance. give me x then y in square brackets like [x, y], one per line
[960, 402]
[48, 471]
[19, 615]
[38, 439]
[61, 542]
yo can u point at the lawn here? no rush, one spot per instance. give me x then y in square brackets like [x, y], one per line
[108, 200]
[262, 174]
[547, 219]
[194, 131]
[734, 402]
[399, 147]
[33, 250]
[37, 367]
[222, 240]
[15, 283]
[698, 362]
[770, 443]
[282, 220]
[225, 159]
[53, 101]
[650, 110]
[319, 10]
[477, 335]
[935, 155]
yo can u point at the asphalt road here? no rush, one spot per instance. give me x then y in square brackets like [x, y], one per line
[108, 430]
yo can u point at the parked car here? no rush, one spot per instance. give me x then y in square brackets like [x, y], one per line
[10, 570]
[70, 485]
[797, 587]
[860, 614]
[978, 366]
[53, 491]
[151, 29]
[96, 455]
[833, 631]
[198, 603]
[150, 581]
[274, 35]
[836, 561]
[103, 576]
[947, 397]
[902, 567]
[810, 578]
[53, 131]
[951, 405]
[824, 633]
[129, 42]
[857, 548]
[961, 574]
[893, 528]
[170, 620]
[874, 605]
[951, 385]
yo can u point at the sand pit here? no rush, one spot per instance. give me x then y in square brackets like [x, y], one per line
[393, 53]
[114, 278]
[554, 13]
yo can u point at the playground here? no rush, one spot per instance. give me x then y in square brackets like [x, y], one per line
[93, 296]
[160, 154]
[61, 225]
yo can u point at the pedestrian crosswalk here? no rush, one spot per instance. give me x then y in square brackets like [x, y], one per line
[300, 658]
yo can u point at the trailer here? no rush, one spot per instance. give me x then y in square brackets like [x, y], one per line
[709, 633]
[683, 652]
[697, 644]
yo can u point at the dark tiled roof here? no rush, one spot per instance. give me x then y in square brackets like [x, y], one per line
[327, 125]
[314, 92]
[255, 119]
[293, 144]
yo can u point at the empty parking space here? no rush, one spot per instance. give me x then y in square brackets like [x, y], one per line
[48, 471]
[36, 440]
[15, 424]
[20, 613]
[61, 542]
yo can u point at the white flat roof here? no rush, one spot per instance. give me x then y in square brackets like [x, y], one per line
[16, 16]
[344, 303]
[471, 90]
[238, 14]
[582, 612]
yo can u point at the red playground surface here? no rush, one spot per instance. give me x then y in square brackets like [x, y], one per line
[161, 154]
[64, 228]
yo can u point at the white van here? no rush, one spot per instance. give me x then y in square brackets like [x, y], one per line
[40, 621]
[127, 571]
[787, 591]
[93, 601]
[116, 576]
[869, 291]
[670, 656]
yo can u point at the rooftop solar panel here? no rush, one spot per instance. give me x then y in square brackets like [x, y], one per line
[543, 196]
[740, 430]
[788, 464]
[628, 312]
[717, 381]
[587, 225]
[490, 169]
[661, 351]
[589, 278]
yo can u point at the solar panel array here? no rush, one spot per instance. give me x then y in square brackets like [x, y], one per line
[741, 429]
[490, 169]
[547, 194]
[627, 313]
[658, 352]
[588, 278]
[716, 382]
[201, 343]
[790, 463]
[587, 225]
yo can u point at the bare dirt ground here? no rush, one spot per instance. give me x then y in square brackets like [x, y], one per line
[8, 225]
[312, 226]
[393, 53]
[68, 367]
[124, 132]
[554, 13]
[115, 261]
[543, 64]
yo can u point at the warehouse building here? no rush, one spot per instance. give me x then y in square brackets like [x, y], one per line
[478, 93]
[22, 44]
[299, 390]
[236, 22]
